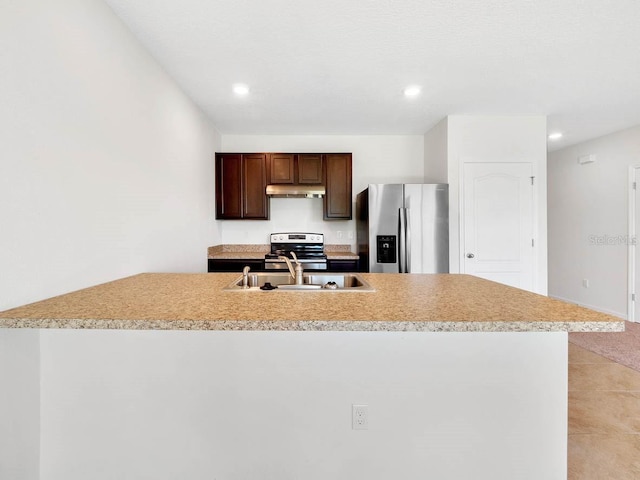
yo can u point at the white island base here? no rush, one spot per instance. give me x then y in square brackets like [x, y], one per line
[277, 405]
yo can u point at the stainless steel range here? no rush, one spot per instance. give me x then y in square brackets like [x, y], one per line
[308, 247]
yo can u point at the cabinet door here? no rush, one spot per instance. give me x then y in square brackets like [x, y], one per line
[234, 265]
[337, 200]
[282, 168]
[228, 186]
[255, 203]
[310, 168]
[343, 266]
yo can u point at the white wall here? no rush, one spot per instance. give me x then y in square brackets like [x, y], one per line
[586, 200]
[19, 404]
[498, 139]
[168, 405]
[376, 159]
[436, 154]
[106, 166]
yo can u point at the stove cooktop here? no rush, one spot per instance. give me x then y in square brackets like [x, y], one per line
[304, 245]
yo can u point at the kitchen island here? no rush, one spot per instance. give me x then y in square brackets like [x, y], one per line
[169, 376]
[439, 302]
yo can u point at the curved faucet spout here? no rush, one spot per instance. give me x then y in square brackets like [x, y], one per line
[289, 266]
[296, 274]
[245, 276]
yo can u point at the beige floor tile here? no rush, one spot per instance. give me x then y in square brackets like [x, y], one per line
[604, 418]
[582, 355]
[597, 457]
[603, 376]
[604, 412]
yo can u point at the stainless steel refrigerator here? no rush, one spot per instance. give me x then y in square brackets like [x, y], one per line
[403, 228]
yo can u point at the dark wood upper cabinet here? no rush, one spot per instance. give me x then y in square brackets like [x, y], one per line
[255, 204]
[337, 200]
[295, 169]
[228, 185]
[310, 168]
[282, 168]
[241, 180]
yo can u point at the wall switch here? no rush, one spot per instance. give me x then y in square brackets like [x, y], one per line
[585, 283]
[350, 235]
[360, 417]
[339, 234]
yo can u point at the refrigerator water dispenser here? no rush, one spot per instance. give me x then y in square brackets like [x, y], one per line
[387, 249]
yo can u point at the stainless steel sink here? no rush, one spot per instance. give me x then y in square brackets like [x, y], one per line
[312, 281]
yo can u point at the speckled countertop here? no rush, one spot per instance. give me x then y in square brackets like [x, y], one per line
[255, 251]
[401, 302]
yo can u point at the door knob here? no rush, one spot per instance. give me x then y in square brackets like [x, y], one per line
[470, 255]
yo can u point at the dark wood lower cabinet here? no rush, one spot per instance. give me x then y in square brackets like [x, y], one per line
[343, 265]
[237, 264]
[234, 265]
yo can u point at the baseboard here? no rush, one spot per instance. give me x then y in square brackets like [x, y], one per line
[623, 316]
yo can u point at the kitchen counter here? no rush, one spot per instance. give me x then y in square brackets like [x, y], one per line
[465, 378]
[461, 303]
[257, 252]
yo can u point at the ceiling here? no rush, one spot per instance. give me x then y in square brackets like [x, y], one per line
[340, 66]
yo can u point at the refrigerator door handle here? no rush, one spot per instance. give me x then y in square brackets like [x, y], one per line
[401, 241]
[407, 241]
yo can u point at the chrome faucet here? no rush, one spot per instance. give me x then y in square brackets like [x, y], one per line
[245, 276]
[296, 274]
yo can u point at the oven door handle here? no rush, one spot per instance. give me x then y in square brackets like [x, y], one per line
[308, 265]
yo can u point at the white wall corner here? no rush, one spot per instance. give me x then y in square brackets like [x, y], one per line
[436, 153]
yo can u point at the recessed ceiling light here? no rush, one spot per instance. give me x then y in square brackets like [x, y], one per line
[240, 89]
[555, 136]
[412, 91]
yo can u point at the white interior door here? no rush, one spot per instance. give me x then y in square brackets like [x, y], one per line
[498, 241]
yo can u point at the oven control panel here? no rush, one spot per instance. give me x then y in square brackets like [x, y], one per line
[297, 238]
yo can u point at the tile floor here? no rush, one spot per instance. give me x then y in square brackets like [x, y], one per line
[604, 418]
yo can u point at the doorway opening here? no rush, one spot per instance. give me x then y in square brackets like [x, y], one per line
[633, 256]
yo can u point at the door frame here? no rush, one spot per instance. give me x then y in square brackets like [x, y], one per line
[634, 177]
[535, 233]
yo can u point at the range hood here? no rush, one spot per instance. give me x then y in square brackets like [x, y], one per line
[296, 191]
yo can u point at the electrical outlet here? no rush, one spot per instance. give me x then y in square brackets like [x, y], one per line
[339, 234]
[360, 417]
[585, 283]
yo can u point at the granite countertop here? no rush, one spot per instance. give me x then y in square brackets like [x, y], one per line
[401, 302]
[257, 252]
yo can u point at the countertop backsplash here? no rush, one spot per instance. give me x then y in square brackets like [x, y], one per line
[256, 250]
